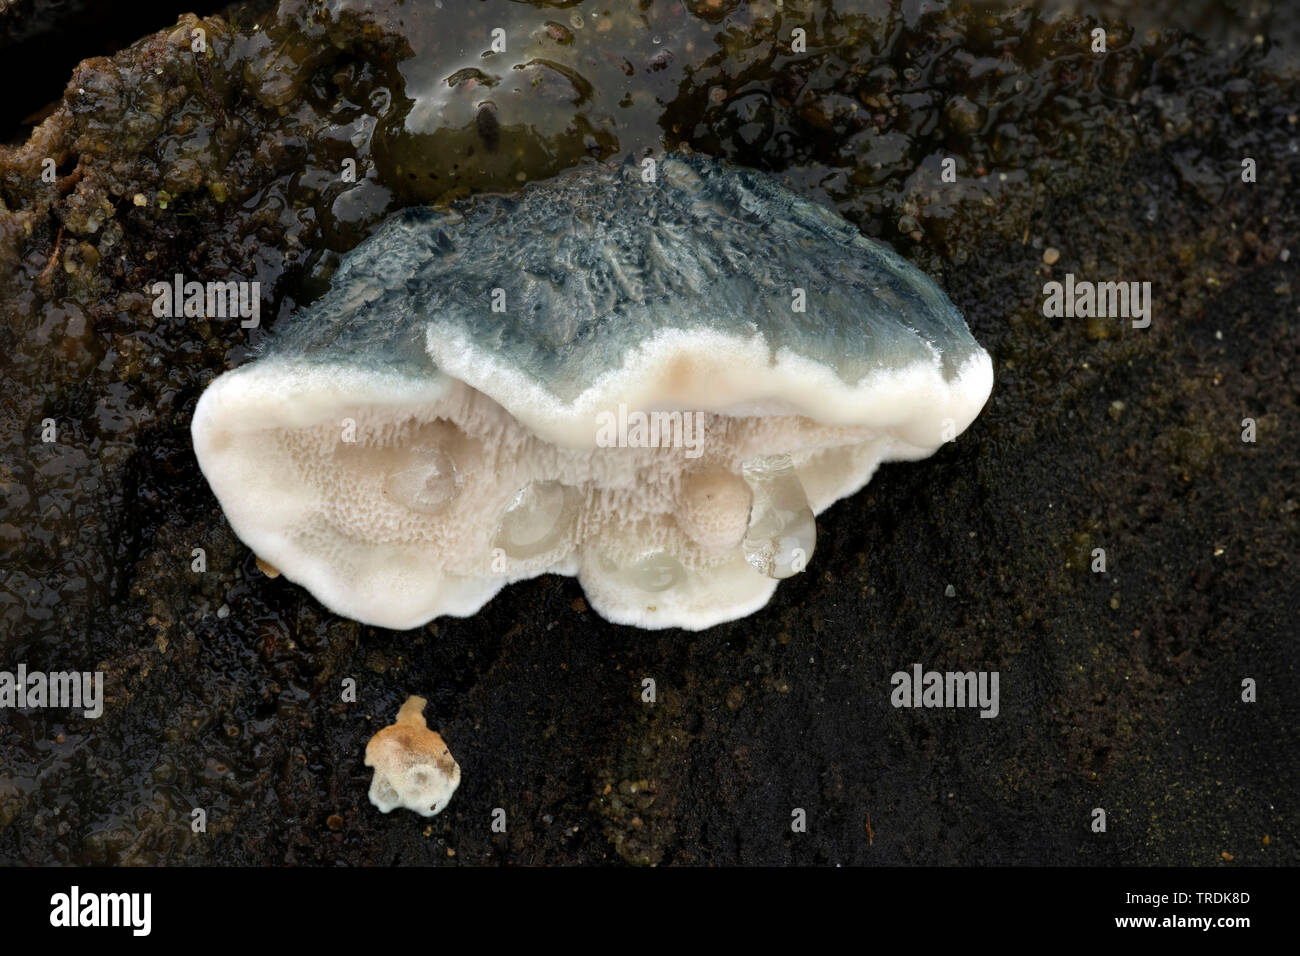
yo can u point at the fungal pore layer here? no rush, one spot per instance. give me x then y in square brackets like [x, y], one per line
[650, 379]
[413, 767]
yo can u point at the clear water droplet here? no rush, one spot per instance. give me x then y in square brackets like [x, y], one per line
[782, 530]
[428, 483]
[657, 571]
[538, 519]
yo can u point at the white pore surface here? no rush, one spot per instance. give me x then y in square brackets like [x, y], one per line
[270, 438]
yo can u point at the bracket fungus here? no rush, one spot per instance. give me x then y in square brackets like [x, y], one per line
[413, 767]
[652, 382]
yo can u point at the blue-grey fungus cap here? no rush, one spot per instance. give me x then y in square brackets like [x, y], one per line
[651, 376]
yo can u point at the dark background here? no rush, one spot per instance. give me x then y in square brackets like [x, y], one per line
[1119, 691]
